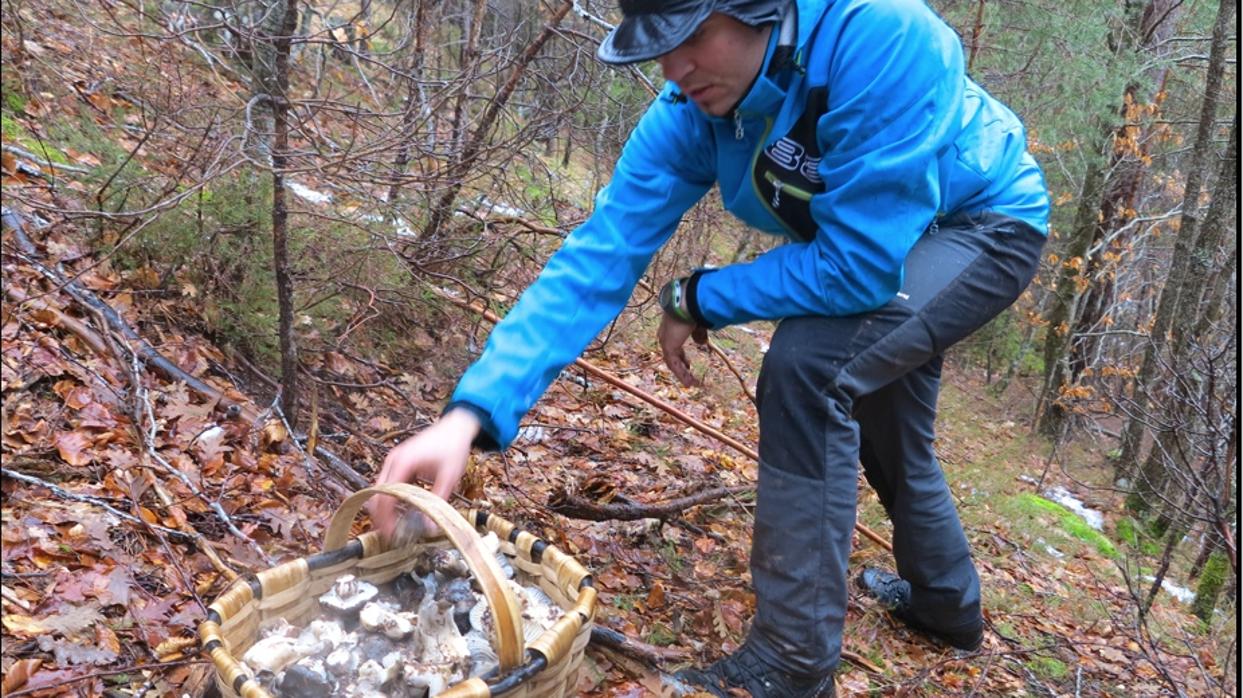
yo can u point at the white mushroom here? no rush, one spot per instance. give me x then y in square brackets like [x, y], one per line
[482, 657]
[382, 618]
[347, 597]
[272, 654]
[375, 674]
[323, 636]
[442, 641]
[341, 662]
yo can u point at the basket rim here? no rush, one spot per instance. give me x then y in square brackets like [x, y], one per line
[498, 684]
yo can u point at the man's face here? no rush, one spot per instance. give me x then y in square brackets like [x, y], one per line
[717, 64]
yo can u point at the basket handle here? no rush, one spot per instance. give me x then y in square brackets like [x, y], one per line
[505, 609]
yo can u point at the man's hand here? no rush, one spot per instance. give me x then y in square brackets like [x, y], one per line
[438, 453]
[672, 335]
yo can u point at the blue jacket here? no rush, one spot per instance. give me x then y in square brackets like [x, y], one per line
[851, 150]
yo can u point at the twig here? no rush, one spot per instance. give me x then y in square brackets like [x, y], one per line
[656, 402]
[572, 505]
[102, 504]
[636, 649]
[728, 364]
[109, 672]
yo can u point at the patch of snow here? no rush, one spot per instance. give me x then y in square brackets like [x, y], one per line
[532, 434]
[500, 209]
[1179, 592]
[1051, 550]
[1028, 479]
[307, 193]
[1091, 516]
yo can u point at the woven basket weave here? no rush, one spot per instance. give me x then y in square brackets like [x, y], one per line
[547, 666]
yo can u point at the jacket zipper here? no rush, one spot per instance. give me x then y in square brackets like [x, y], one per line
[780, 186]
[755, 185]
[738, 132]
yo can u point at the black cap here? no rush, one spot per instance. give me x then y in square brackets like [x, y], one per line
[652, 28]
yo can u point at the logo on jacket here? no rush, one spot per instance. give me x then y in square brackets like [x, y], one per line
[791, 156]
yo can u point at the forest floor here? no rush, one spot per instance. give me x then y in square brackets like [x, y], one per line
[117, 479]
[94, 602]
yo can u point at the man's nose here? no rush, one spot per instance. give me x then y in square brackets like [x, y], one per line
[676, 64]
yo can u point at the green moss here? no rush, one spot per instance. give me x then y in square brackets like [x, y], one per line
[1131, 533]
[1211, 581]
[13, 98]
[1071, 523]
[1049, 668]
[661, 635]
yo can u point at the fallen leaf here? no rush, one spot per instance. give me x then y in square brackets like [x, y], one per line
[68, 653]
[20, 673]
[68, 622]
[72, 447]
[174, 645]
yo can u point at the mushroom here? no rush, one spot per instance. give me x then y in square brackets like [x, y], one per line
[457, 593]
[375, 674]
[442, 641]
[449, 563]
[482, 657]
[382, 618]
[272, 654]
[341, 662]
[492, 543]
[347, 597]
[409, 591]
[323, 636]
[306, 678]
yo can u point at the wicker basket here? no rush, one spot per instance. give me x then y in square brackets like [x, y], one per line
[547, 666]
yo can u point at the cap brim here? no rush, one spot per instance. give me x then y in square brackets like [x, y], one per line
[643, 37]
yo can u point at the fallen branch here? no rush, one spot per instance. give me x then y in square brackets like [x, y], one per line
[636, 649]
[117, 324]
[572, 505]
[63, 493]
[746, 390]
[167, 368]
[109, 672]
[656, 402]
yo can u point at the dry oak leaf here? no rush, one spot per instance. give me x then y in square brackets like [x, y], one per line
[69, 621]
[20, 673]
[72, 446]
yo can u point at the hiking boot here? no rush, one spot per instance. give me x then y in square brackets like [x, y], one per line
[894, 594]
[744, 669]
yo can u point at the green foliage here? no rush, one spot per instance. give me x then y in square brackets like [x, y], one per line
[12, 130]
[1212, 578]
[13, 99]
[1131, 533]
[999, 344]
[1048, 668]
[1035, 505]
[661, 635]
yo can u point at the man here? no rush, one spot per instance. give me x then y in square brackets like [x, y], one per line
[914, 215]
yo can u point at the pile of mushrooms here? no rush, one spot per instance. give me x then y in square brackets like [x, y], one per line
[423, 632]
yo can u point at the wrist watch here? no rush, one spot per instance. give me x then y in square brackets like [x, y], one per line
[673, 300]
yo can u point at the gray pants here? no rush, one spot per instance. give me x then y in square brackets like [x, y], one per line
[835, 391]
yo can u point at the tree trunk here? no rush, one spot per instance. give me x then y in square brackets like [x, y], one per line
[1176, 282]
[1051, 411]
[280, 213]
[1084, 291]
[1209, 588]
[1179, 421]
[457, 173]
[415, 104]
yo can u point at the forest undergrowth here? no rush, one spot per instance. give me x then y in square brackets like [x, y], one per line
[133, 496]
